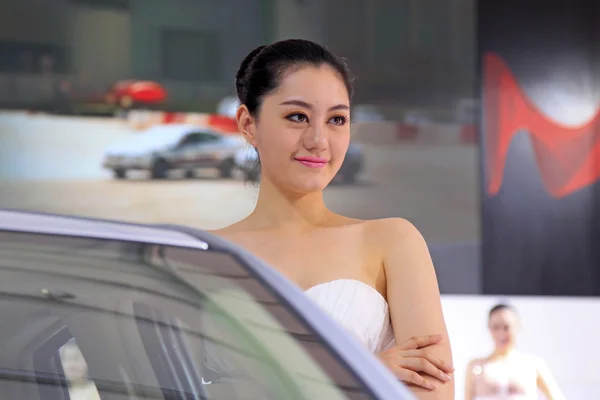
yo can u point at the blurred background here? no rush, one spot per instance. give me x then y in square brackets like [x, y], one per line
[80, 77]
[122, 109]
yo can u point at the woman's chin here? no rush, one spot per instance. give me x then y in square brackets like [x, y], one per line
[303, 184]
[312, 185]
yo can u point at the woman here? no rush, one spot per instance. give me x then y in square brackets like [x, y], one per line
[370, 276]
[508, 374]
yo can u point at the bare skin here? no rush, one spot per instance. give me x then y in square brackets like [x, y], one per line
[508, 373]
[292, 229]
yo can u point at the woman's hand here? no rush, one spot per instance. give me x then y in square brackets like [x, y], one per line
[410, 359]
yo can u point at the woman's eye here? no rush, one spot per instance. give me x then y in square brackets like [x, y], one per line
[298, 118]
[339, 120]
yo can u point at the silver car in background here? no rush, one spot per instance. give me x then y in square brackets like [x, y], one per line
[164, 148]
[163, 312]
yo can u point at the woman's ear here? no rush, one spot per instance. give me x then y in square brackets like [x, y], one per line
[246, 124]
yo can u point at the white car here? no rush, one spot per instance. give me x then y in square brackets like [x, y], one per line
[169, 147]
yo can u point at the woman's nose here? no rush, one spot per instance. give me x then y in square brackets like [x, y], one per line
[315, 137]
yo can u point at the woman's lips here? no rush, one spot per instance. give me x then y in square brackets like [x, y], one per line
[312, 162]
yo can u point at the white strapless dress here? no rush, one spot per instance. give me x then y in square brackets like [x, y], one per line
[359, 308]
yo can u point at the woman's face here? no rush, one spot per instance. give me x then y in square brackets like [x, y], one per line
[303, 130]
[504, 326]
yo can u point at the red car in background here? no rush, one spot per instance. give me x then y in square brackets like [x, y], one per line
[131, 93]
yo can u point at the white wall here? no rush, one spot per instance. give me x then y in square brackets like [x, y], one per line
[563, 331]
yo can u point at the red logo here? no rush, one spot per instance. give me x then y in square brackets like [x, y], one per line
[568, 157]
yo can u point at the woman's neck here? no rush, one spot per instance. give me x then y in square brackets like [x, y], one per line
[503, 353]
[290, 211]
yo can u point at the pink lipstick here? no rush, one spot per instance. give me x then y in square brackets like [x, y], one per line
[312, 162]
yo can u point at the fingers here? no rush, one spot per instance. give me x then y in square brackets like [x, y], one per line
[437, 362]
[411, 377]
[423, 365]
[418, 342]
[413, 365]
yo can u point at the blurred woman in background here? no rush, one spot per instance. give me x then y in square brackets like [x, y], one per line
[508, 374]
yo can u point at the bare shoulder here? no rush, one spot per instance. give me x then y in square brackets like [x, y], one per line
[393, 228]
[475, 364]
[395, 235]
[382, 236]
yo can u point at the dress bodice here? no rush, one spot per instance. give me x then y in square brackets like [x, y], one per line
[359, 308]
[512, 379]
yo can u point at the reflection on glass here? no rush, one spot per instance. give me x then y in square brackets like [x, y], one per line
[76, 372]
[186, 322]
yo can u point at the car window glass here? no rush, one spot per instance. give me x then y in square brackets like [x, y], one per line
[207, 137]
[158, 322]
[190, 139]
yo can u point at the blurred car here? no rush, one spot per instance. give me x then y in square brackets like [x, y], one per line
[132, 93]
[129, 311]
[163, 148]
[246, 159]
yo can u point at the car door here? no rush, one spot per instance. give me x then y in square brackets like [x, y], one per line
[120, 311]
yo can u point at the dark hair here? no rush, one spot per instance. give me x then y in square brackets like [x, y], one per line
[500, 307]
[262, 70]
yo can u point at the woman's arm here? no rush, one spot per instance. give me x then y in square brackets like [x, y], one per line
[413, 295]
[546, 383]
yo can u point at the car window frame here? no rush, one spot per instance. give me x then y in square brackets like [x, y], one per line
[48, 352]
[375, 378]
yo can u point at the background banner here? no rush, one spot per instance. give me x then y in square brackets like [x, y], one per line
[540, 76]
